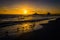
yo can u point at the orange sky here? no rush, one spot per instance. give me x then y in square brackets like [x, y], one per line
[31, 9]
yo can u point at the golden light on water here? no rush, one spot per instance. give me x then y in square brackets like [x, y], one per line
[26, 27]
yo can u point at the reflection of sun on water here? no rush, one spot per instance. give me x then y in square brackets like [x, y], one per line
[26, 27]
[19, 29]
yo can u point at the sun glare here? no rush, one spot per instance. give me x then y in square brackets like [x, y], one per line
[25, 12]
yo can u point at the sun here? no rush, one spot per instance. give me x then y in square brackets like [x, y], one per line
[25, 12]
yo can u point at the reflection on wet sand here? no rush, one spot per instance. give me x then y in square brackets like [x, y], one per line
[23, 28]
[19, 29]
[26, 27]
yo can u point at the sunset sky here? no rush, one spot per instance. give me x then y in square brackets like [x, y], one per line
[29, 6]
